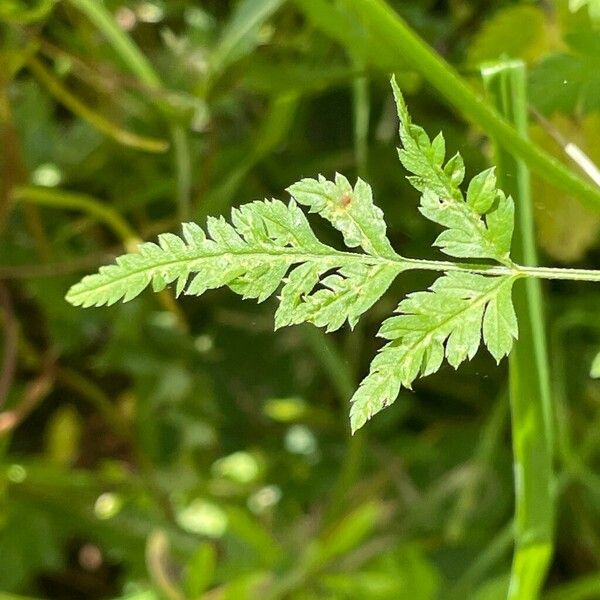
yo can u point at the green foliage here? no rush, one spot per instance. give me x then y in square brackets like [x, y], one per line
[446, 321]
[242, 33]
[350, 211]
[253, 254]
[566, 230]
[269, 243]
[595, 367]
[566, 83]
[190, 423]
[200, 570]
[479, 226]
[406, 575]
[22, 12]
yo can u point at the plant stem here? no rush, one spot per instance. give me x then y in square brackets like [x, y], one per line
[529, 376]
[516, 270]
[129, 53]
[62, 199]
[137, 63]
[120, 135]
[389, 27]
[561, 274]
[43, 196]
[361, 108]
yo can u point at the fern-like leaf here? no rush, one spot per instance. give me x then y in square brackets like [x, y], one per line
[448, 321]
[270, 245]
[478, 226]
[252, 256]
[266, 237]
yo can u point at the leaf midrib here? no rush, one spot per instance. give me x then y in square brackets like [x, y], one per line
[282, 254]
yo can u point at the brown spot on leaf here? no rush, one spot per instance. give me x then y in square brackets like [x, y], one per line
[345, 200]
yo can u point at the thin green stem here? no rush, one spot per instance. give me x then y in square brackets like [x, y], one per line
[516, 270]
[43, 196]
[129, 53]
[183, 170]
[558, 273]
[137, 63]
[378, 17]
[362, 107]
[498, 548]
[62, 94]
[529, 376]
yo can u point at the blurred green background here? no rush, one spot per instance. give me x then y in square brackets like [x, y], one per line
[184, 450]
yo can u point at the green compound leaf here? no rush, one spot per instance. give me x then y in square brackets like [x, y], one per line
[480, 226]
[447, 321]
[269, 246]
[252, 256]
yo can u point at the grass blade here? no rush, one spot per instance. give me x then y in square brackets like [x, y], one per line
[139, 65]
[63, 199]
[95, 119]
[239, 36]
[377, 16]
[531, 404]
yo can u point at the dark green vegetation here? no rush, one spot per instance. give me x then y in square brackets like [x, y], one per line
[183, 450]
